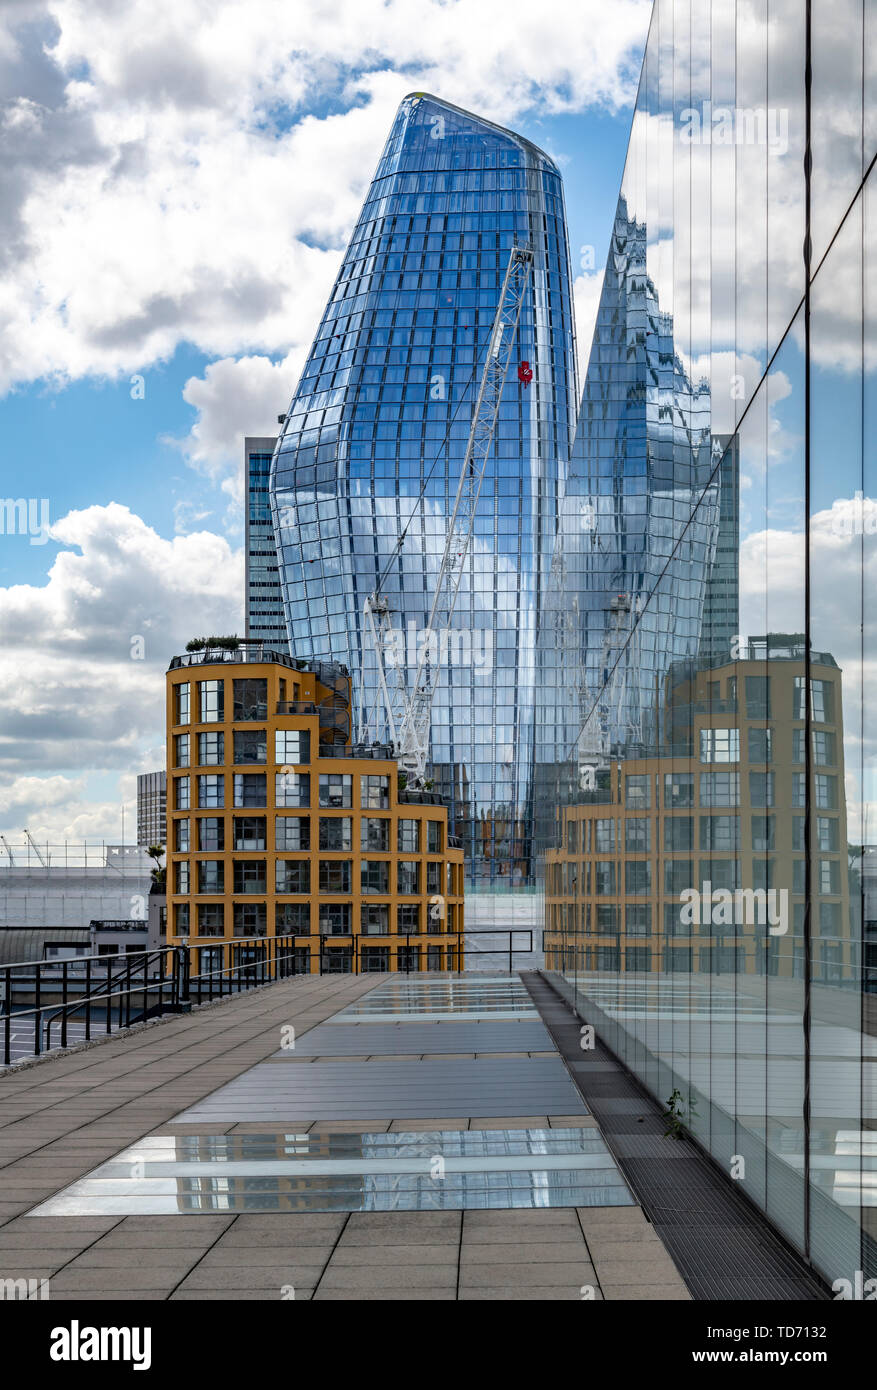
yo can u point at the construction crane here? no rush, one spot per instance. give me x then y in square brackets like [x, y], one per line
[407, 712]
[35, 847]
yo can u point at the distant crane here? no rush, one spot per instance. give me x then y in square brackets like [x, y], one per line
[35, 847]
[407, 712]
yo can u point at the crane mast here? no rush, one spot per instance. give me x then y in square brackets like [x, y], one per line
[408, 712]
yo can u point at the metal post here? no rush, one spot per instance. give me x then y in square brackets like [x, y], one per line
[38, 1022]
[88, 998]
[64, 1002]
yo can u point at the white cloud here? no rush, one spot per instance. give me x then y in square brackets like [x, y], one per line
[587, 288]
[77, 703]
[172, 186]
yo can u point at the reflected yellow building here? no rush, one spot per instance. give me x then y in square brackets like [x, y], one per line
[719, 810]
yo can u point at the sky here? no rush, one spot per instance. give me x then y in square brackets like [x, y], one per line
[180, 181]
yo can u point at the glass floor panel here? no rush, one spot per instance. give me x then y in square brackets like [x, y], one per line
[324, 1171]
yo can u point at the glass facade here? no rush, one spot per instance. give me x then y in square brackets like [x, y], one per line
[705, 668]
[373, 446]
[263, 598]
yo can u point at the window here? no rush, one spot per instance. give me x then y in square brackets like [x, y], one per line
[292, 832]
[181, 876]
[334, 919]
[798, 832]
[181, 919]
[211, 919]
[250, 789]
[678, 875]
[292, 789]
[604, 877]
[825, 787]
[374, 876]
[678, 832]
[408, 836]
[249, 832]
[607, 920]
[211, 876]
[407, 876]
[211, 832]
[181, 703]
[760, 745]
[251, 698]
[763, 835]
[799, 789]
[720, 832]
[211, 702]
[181, 750]
[637, 835]
[250, 746]
[826, 833]
[636, 792]
[721, 873]
[798, 745]
[211, 749]
[292, 746]
[824, 754]
[720, 789]
[211, 789]
[433, 878]
[821, 700]
[637, 958]
[638, 919]
[249, 876]
[761, 789]
[374, 919]
[408, 917]
[250, 919]
[374, 833]
[758, 697]
[829, 875]
[336, 789]
[720, 745]
[181, 834]
[375, 793]
[604, 836]
[181, 793]
[335, 876]
[336, 832]
[434, 843]
[292, 919]
[637, 877]
[292, 876]
[679, 790]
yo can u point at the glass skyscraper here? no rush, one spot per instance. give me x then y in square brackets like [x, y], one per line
[706, 669]
[263, 598]
[373, 446]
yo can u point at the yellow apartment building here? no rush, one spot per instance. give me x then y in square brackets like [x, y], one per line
[279, 827]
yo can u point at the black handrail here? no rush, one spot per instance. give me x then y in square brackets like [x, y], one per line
[131, 978]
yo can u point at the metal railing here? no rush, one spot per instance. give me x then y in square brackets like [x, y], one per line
[72, 1000]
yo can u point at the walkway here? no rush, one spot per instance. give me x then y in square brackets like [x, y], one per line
[337, 1138]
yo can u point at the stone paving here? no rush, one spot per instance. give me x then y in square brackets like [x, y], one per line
[65, 1117]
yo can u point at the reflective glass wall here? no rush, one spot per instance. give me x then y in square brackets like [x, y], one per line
[706, 672]
[373, 446]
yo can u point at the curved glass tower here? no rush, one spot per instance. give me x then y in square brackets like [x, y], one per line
[373, 444]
